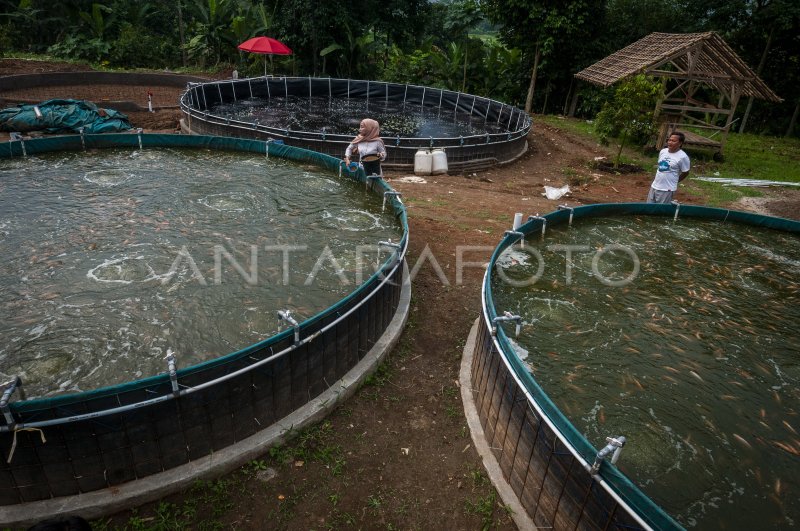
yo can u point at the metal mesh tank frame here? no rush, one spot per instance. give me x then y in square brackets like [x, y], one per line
[463, 152]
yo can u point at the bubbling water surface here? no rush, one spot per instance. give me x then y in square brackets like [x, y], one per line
[695, 358]
[112, 257]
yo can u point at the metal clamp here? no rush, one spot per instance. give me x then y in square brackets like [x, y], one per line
[571, 212]
[613, 448]
[390, 244]
[287, 316]
[397, 195]
[677, 209]
[10, 387]
[173, 371]
[507, 317]
[516, 233]
[540, 218]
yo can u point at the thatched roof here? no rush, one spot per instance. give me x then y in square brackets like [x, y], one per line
[716, 64]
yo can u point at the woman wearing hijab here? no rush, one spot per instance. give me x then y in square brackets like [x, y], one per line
[369, 146]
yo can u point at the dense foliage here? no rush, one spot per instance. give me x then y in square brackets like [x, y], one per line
[487, 47]
[629, 115]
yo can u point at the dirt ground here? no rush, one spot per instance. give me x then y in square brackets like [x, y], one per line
[398, 455]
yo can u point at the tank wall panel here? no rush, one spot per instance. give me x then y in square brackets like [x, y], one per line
[550, 483]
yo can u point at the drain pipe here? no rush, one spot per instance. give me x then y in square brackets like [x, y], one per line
[173, 372]
[677, 209]
[507, 317]
[613, 448]
[139, 136]
[83, 140]
[398, 195]
[10, 387]
[287, 316]
[571, 212]
[540, 218]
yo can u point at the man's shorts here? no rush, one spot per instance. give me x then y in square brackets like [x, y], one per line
[659, 196]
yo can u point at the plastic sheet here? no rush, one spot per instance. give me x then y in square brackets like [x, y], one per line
[63, 116]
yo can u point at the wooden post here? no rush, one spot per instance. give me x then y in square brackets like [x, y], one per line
[793, 121]
[532, 86]
[736, 91]
[660, 137]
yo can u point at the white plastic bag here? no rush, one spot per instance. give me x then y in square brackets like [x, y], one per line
[552, 193]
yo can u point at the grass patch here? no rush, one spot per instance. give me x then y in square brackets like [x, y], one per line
[747, 156]
[483, 507]
[715, 194]
[312, 445]
[755, 157]
[573, 125]
[585, 129]
[105, 67]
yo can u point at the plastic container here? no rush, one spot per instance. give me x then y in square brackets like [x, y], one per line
[439, 164]
[423, 162]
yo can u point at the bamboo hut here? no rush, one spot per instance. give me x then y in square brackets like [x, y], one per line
[703, 81]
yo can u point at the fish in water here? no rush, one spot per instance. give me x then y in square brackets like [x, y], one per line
[741, 440]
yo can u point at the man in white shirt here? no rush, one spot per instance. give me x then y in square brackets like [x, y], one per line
[673, 167]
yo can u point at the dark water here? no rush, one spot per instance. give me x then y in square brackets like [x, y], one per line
[111, 258]
[343, 116]
[696, 360]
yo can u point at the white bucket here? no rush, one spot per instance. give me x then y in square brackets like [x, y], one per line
[439, 165]
[423, 163]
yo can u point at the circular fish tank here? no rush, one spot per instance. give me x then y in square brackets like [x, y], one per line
[167, 299]
[323, 114]
[114, 257]
[669, 333]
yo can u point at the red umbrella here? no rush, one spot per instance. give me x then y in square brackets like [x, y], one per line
[266, 46]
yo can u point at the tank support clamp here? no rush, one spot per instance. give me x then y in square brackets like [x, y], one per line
[677, 209]
[398, 195]
[540, 218]
[173, 372]
[507, 317]
[516, 233]
[370, 179]
[287, 316]
[613, 448]
[571, 212]
[10, 387]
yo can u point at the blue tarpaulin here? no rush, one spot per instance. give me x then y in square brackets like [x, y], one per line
[63, 116]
